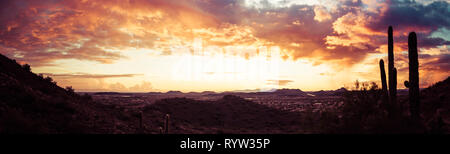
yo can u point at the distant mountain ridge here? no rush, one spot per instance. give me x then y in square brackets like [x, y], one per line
[336, 92]
[281, 92]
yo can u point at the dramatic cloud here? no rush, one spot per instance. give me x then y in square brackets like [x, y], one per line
[413, 16]
[340, 33]
[40, 32]
[321, 14]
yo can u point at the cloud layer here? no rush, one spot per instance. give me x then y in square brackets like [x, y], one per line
[345, 33]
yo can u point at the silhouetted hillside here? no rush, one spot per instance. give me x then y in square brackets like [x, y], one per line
[33, 104]
[231, 114]
[363, 112]
[440, 89]
[436, 106]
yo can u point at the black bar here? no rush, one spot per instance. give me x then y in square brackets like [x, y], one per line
[172, 143]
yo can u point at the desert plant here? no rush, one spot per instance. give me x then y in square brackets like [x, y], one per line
[390, 98]
[358, 112]
[166, 129]
[70, 90]
[48, 79]
[41, 76]
[161, 130]
[413, 83]
[384, 88]
[357, 85]
[27, 67]
[361, 111]
[373, 86]
[391, 68]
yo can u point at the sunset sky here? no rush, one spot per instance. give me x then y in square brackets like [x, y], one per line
[222, 45]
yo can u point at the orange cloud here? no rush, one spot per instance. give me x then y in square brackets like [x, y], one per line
[351, 30]
[95, 30]
[321, 14]
[41, 32]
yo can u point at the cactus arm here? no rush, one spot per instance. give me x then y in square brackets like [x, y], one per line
[383, 81]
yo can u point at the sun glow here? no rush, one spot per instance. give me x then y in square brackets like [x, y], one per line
[162, 45]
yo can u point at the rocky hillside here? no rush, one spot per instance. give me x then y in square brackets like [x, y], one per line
[30, 103]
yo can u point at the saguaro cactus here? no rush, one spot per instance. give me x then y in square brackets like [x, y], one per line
[383, 81]
[394, 73]
[161, 130]
[413, 84]
[167, 124]
[392, 76]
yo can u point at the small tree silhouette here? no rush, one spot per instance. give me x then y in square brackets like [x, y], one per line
[27, 67]
[70, 90]
[41, 76]
[48, 79]
[356, 85]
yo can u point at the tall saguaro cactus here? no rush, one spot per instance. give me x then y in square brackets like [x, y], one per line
[392, 75]
[413, 83]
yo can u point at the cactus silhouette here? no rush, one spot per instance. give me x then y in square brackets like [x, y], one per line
[413, 83]
[394, 82]
[161, 130]
[383, 82]
[166, 131]
[392, 75]
[390, 97]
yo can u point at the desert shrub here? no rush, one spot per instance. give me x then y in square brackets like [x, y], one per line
[70, 90]
[41, 76]
[363, 111]
[359, 106]
[26, 67]
[48, 79]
